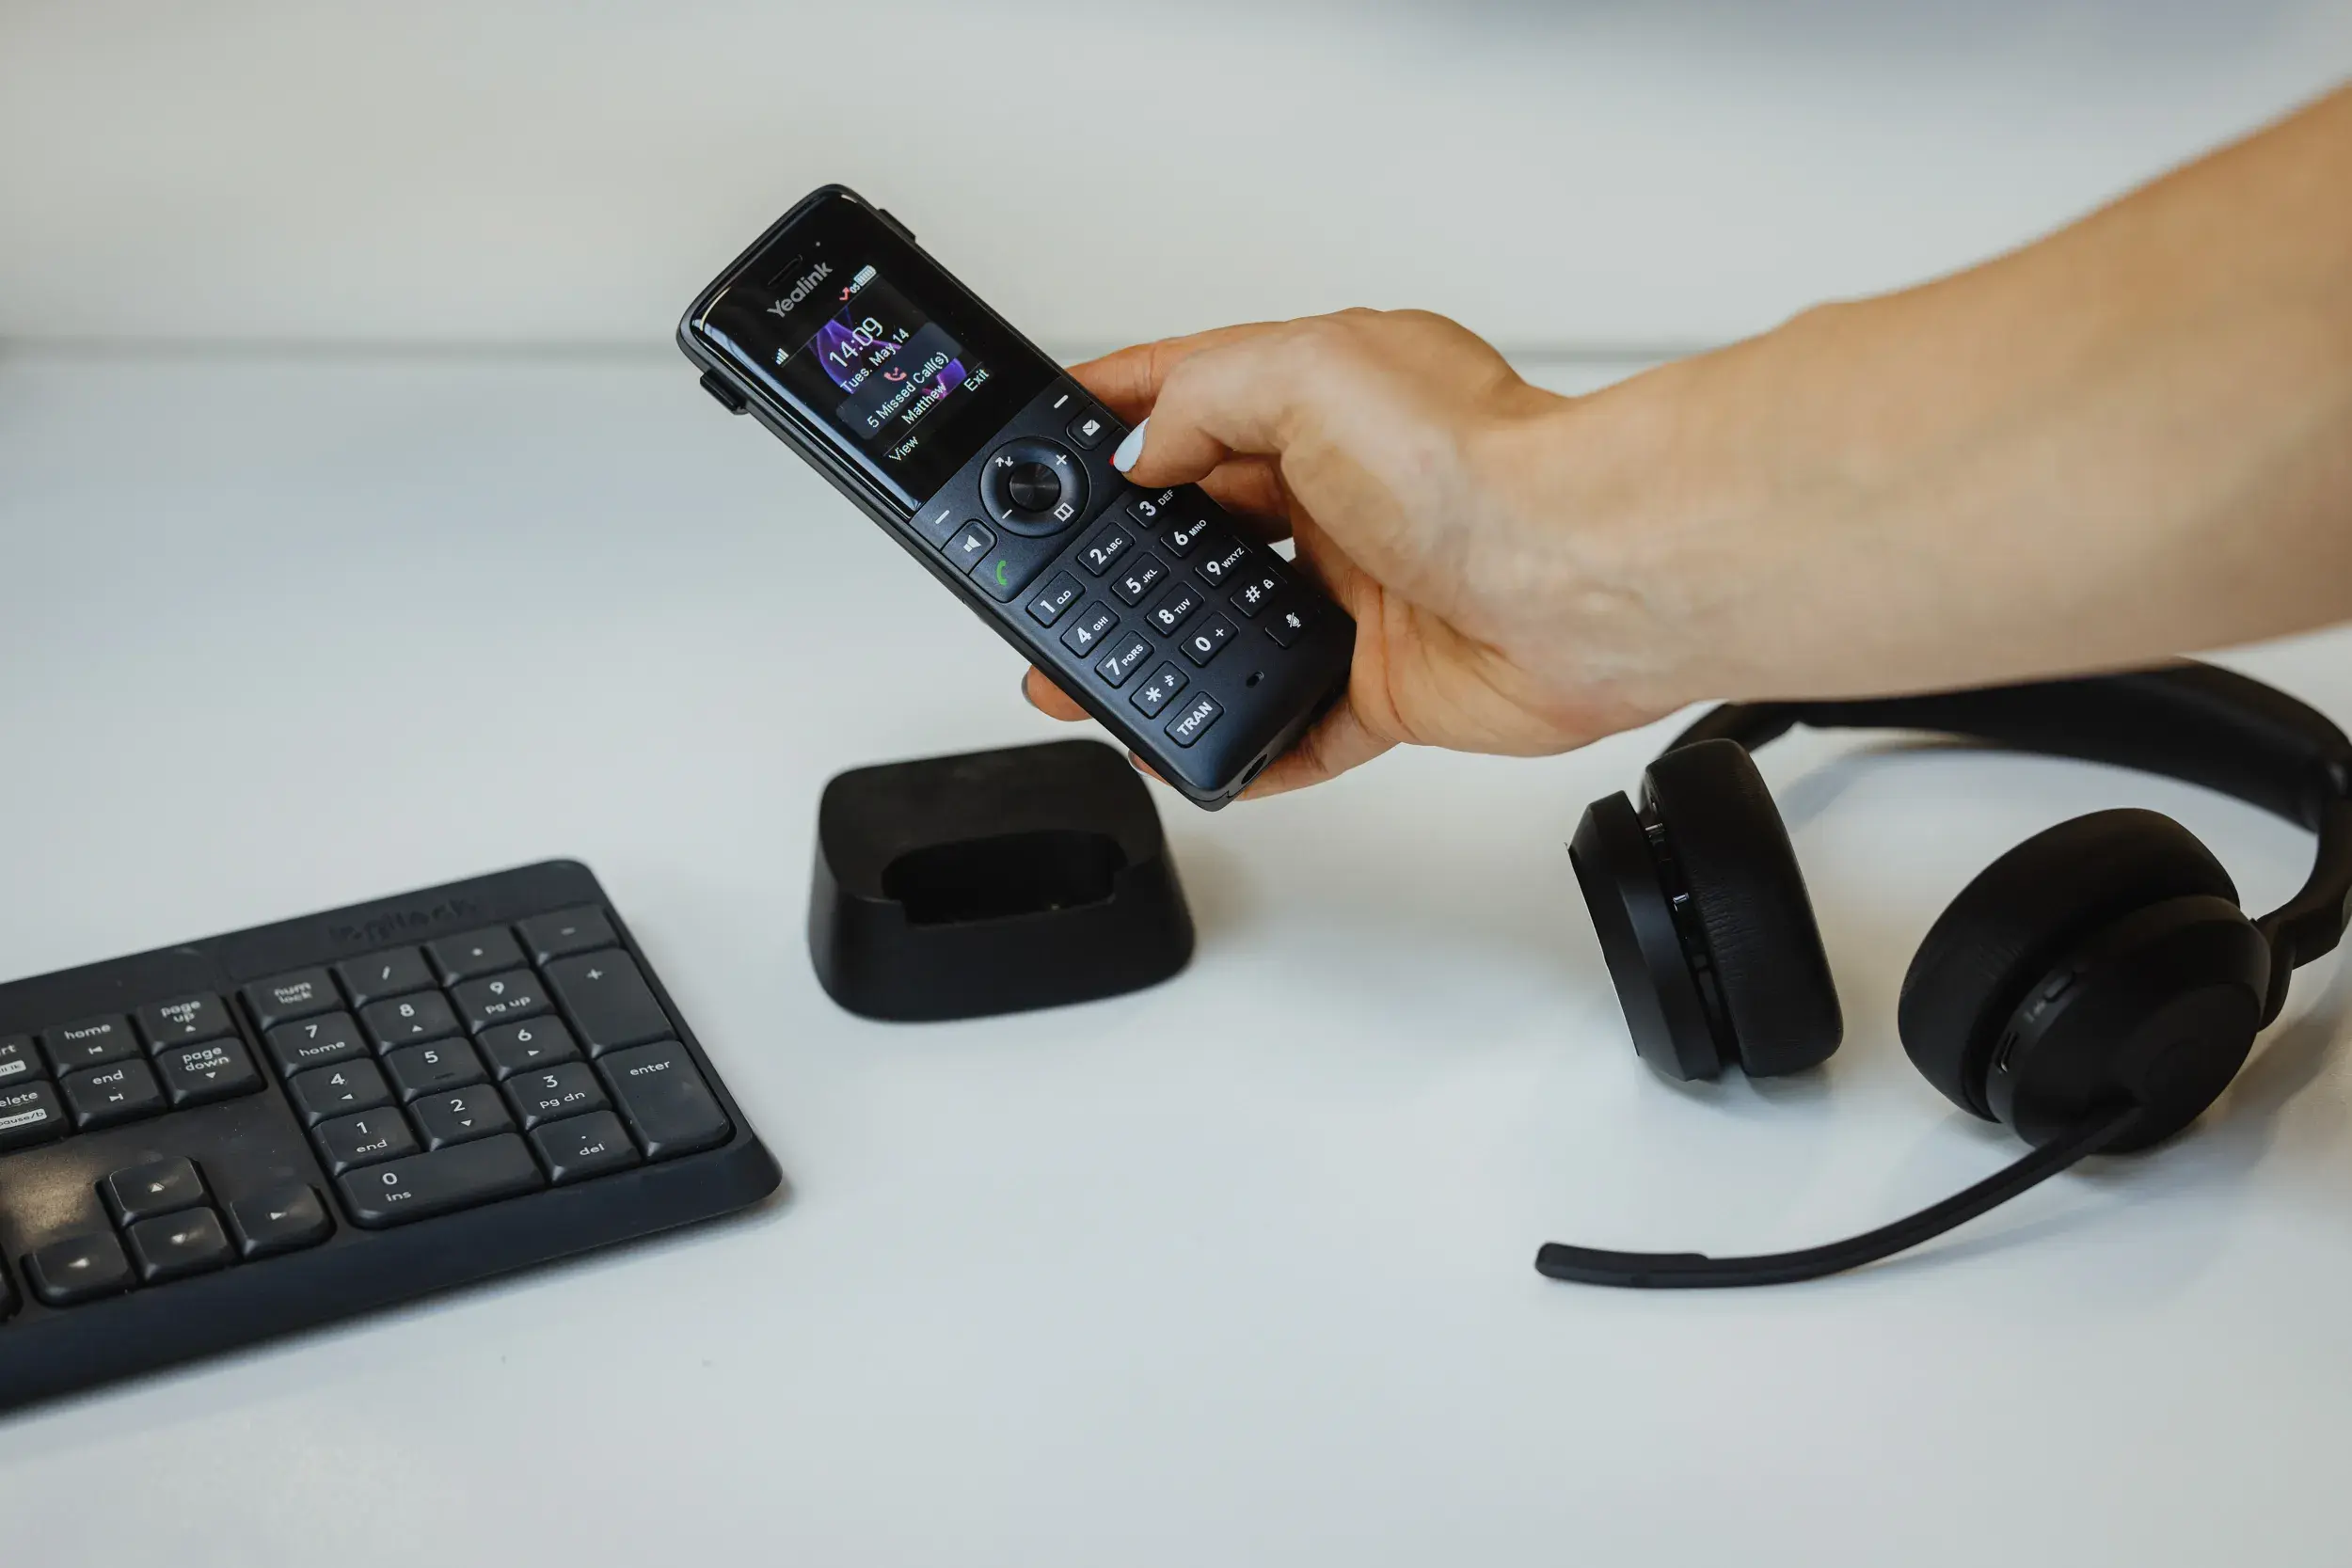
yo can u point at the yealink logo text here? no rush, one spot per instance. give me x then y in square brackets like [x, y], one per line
[801, 290]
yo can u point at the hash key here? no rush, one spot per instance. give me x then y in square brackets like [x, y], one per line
[334, 1091]
[569, 1090]
[407, 1020]
[513, 1048]
[416, 1069]
[461, 1116]
[500, 999]
[607, 1001]
[582, 1146]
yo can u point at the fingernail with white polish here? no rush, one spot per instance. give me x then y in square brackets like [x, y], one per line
[1130, 448]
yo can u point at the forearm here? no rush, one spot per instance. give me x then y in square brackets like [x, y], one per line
[2131, 440]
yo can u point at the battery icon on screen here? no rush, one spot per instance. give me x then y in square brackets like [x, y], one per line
[865, 275]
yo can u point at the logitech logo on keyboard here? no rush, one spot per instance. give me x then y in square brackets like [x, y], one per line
[801, 290]
[379, 929]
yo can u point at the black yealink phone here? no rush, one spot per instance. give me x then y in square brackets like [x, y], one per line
[1201, 650]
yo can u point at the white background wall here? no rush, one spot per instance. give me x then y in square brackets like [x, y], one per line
[1572, 175]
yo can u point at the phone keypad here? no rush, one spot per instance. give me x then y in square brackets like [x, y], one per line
[1180, 580]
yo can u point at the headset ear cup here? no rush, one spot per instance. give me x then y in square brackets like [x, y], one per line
[2020, 916]
[1732, 852]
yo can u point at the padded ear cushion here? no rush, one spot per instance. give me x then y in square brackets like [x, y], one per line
[1727, 841]
[2018, 919]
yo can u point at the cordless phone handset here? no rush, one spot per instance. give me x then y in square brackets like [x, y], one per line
[971, 449]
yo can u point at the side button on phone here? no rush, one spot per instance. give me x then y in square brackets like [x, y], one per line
[1288, 621]
[729, 399]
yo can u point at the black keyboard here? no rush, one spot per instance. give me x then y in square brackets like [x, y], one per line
[212, 1144]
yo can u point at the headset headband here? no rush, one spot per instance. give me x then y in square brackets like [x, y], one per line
[2189, 721]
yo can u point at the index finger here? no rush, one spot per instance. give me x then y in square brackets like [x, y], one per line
[1127, 381]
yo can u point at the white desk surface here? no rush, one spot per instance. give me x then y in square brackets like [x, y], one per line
[1234, 1271]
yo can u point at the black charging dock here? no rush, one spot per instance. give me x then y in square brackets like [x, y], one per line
[993, 882]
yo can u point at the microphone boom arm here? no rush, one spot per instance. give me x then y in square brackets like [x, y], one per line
[1663, 1271]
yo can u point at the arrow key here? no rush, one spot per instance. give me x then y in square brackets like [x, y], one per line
[284, 1218]
[79, 1269]
[461, 1116]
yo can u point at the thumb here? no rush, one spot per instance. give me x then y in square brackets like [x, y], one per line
[1240, 395]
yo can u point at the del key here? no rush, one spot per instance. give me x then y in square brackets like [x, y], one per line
[606, 997]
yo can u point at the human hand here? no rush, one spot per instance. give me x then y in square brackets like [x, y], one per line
[1403, 457]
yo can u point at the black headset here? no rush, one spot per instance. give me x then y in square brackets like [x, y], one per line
[2094, 989]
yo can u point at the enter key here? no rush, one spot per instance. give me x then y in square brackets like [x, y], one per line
[664, 1099]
